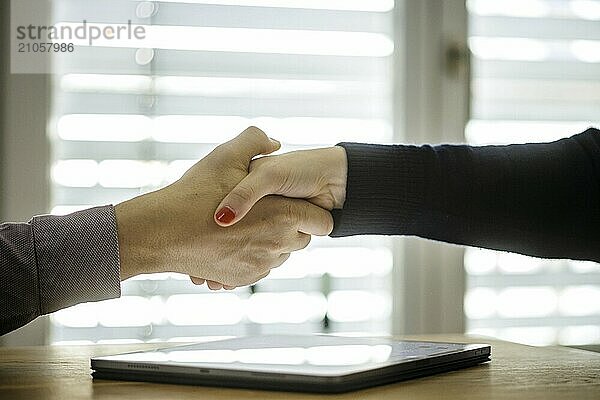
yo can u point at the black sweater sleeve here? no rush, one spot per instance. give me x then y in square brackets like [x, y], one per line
[540, 199]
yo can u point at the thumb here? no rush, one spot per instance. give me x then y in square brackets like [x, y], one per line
[248, 144]
[243, 197]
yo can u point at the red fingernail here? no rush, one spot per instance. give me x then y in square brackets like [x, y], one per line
[225, 215]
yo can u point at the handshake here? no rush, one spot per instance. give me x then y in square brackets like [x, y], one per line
[232, 217]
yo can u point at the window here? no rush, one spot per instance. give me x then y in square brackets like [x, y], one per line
[536, 77]
[128, 120]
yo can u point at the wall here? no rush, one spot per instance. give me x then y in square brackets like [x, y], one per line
[24, 155]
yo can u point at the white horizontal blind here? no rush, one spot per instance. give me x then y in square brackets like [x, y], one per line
[536, 77]
[127, 121]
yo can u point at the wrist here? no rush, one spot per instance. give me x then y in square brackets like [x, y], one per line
[134, 257]
[339, 175]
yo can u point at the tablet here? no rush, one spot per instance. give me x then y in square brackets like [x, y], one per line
[307, 363]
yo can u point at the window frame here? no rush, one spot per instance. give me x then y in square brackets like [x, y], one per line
[25, 156]
[432, 106]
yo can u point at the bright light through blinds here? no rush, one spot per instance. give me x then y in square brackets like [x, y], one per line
[129, 120]
[535, 78]
[279, 41]
[354, 5]
[214, 129]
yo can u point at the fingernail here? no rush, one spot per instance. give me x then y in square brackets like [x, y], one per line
[225, 215]
[275, 141]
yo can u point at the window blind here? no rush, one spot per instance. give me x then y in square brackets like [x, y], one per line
[536, 78]
[130, 120]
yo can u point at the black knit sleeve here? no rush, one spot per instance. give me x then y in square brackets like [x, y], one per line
[540, 199]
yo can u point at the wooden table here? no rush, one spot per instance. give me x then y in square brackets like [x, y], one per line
[516, 372]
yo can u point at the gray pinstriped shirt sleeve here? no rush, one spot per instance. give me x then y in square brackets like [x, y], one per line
[53, 262]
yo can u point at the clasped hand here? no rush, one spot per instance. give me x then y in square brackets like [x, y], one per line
[176, 229]
[319, 176]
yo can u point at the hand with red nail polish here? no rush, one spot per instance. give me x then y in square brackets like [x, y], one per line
[318, 176]
[174, 229]
[225, 215]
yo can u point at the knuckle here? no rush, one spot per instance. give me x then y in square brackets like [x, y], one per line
[271, 173]
[257, 275]
[256, 133]
[243, 193]
[252, 281]
[264, 274]
[328, 224]
[290, 212]
[253, 129]
[274, 175]
[306, 242]
[243, 274]
[295, 207]
[274, 245]
[226, 147]
[283, 258]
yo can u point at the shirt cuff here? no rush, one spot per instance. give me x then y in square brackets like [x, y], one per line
[77, 257]
[384, 190]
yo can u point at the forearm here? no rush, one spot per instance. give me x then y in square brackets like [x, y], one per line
[54, 262]
[536, 199]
